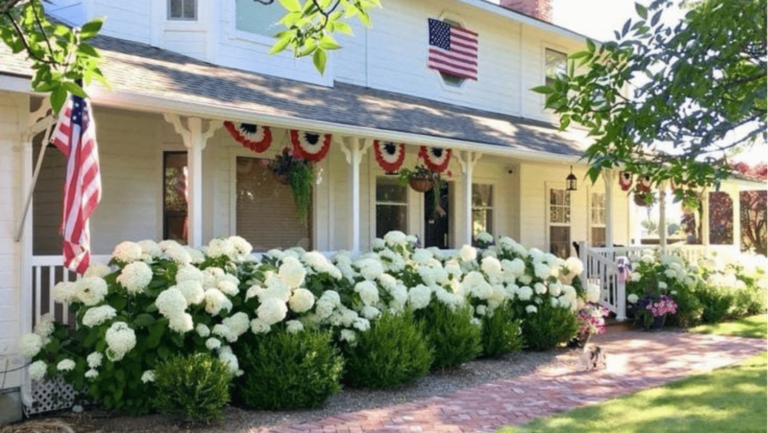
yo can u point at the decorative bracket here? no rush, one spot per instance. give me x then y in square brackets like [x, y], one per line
[355, 151]
[467, 160]
[194, 129]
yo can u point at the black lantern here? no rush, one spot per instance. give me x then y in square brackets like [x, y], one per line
[570, 181]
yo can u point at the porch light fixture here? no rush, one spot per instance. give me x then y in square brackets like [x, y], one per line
[570, 181]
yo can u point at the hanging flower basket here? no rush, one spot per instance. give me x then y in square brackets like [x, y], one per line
[421, 184]
[641, 199]
[281, 178]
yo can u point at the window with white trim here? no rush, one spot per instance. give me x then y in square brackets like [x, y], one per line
[258, 18]
[175, 196]
[391, 206]
[482, 209]
[559, 222]
[555, 63]
[265, 211]
[182, 10]
[597, 219]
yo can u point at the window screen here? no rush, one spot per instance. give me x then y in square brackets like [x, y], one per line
[391, 206]
[266, 214]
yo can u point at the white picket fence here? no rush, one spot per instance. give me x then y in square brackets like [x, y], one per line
[600, 268]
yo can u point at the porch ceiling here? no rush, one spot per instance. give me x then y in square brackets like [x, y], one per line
[143, 71]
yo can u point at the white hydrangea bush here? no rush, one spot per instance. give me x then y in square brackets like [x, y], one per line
[155, 300]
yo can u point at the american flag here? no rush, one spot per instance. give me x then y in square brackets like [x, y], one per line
[75, 136]
[452, 49]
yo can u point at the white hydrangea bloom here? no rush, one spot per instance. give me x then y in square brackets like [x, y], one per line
[419, 296]
[447, 298]
[524, 293]
[94, 359]
[555, 289]
[91, 290]
[272, 310]
[481, 310]
[421, 256]
[292, 272]
[468, 253]
[192, 291]
[491, 266]
[259, 326]
[541, 270]
[242, 246]
[213, 343]
[189, 273]
[148, 376]
[378, 244]
[516, 267]
[531, 309]
[574, 266]
[181, 323]
[331, 296]
[96, 316]
[231, 360]
[662, 285]
[178, 254]
[228, 288]
[370, 268]
[301, 301]
[361, 324]
[370, 312]
[569, 293]
[474, 284]
[66, 365]
[97, 270]
[484, 237]
[171, 302]
[37, 370]
[135, 277]
[30, 345]
[635, 276]
[540, 289]
[399, 297]
[348, 335]
[65, 292]
[127, 252]
[202, 330]
[120, 340]
[395, 238]
[293, 326]
[276, 288]
[196, 255]
[593, 292]
[150, 248]
[92, 374]
[392, 261]
[536, 255]
[411, 239]
[44, 326]
[221, 248]
[215, 302]
[525, 279]
[238, 323]
[368, 292]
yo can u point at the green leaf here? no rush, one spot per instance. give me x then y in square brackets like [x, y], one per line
[58, 97]
[319, 60]
[143, 320]
[342, 27]
[327, 43]
[118, 302]
[91, 28]
[641, 10]
[88, 51]
[591, 45]
[75, 89]
[291, 5]
[281, 44]
[545, 90]
[156, 331]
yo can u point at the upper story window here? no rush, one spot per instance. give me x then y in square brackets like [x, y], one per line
[258, 18]
[555, 64]
[184, 10]
[453, 51]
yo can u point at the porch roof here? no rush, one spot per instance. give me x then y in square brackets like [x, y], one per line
[143, 71]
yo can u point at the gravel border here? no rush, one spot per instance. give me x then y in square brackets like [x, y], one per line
[238, 420]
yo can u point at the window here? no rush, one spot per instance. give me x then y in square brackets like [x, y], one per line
[597, 219]
[555, 65]
[482, 209]
[391, 206]
[560, 222]
[266, 214]
[257, 18]
[185, 10]
[175, 196]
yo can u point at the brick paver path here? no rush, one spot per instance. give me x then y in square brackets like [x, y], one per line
[635, 361]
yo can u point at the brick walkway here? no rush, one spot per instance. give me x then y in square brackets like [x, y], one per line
[635, 361]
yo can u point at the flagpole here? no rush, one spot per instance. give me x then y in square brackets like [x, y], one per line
[38, 166]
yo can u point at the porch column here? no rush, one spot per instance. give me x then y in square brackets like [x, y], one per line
[195, 140]
[609, 177]
[705, 217]
[736, 200]
[467, 161]
[354, 149]
[663, 216]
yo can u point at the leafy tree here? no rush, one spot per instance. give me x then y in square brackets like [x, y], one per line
[63, 58]
[700, 93]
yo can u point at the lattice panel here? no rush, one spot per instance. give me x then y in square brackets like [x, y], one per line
[50, 395]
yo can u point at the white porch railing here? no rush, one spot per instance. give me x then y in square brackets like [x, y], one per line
[691, 253]
[600, 268]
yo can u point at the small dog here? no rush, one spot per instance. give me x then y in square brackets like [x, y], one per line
[593, 358]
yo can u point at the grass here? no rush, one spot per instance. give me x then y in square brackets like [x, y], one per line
[731, 399]
[753, 327]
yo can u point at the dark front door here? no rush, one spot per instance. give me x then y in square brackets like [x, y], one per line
[436, 218]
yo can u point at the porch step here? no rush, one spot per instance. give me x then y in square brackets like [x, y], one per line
[612, 325]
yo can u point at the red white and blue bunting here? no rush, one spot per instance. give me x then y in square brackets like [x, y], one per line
[311, 146]
[625, 180]
[644, 183]
[255, 137]
[389, 155]
[435, 158]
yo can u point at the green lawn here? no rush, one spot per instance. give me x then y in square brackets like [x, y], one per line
[730, 400]
[754, 326]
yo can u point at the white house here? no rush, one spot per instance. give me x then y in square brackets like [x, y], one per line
[178, 69]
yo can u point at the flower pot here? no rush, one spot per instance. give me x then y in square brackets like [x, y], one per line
[421, 184]
[640, 199]
[281, 178]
